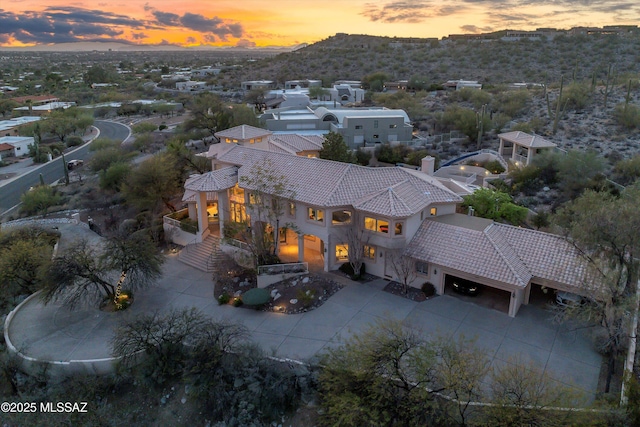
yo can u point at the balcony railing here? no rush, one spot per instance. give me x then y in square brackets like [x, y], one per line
[180, 219]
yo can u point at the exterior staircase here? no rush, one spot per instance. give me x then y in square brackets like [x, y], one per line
[201, 255]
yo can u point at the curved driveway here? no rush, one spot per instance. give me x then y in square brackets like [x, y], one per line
[53, 333]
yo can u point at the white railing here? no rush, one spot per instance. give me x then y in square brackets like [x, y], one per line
[471, 179]
[237, 243]
[171, 221]
[274, 269]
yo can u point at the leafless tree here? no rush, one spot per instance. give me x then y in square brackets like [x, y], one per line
[356, 237]
[403, 266]
[86, 273]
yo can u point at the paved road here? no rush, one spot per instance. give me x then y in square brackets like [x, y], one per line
[10, 192]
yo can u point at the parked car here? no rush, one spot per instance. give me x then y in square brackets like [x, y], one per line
[74, 163]
[568, 299]
[468, 287]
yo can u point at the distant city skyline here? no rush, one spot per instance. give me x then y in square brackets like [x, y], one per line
[251, 23]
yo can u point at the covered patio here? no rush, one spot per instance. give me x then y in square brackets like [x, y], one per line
[521, 148]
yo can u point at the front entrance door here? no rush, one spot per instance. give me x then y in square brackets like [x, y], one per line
[388, 267]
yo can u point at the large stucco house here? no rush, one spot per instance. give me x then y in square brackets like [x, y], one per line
[358, 127]
[393, 210]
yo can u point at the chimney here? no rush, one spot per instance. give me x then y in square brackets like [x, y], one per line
[428, 165]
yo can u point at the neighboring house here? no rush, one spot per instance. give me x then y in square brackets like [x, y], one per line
[391, 210]
[10, 127]
[395, 86]
[357, 126]
[461, 84]
[346, 93]
[20, 144]
[287, 98]
[258, 84]
[102, 85]
[6, 150]
[191, 86]
[43, 108]
[205, 72]
[292, 84]
[521, 148]
[35, 99]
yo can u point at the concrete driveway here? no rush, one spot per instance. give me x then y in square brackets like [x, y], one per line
[53, 333]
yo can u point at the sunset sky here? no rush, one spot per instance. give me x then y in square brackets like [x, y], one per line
[288, 22]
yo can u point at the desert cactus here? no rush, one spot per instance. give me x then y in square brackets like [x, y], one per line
[560, 108]
[608, 84]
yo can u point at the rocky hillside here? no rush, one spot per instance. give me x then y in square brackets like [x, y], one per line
[490, 62]
[583, 61]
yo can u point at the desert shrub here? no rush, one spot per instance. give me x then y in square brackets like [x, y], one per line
[577, 96]
[627, 171]
[143, 127]
[526, 179]
[501, 185]
[306, 296]
[388, 154]
[103, 143]
[522, 127]
[224, 299]
[74, 141]
[428, 289]
[494, 167]
[415, 157]
[363, 157]
[162, 127]
[161, 338]
[512, 103]
[39, 200]
[256, 297]
[113, 177]
[627, 116]
[244, 387]
[106, 157]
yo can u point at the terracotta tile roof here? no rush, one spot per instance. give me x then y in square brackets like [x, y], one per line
[292, 143]
[217, 180]
[399, 200]
[243, 132]
[526, 140]
[35, 99]
[5, 147]
[330, 184]
[462, 249]
[547, 256]
[500, 252]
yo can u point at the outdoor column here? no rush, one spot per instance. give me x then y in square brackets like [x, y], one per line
[223, 209]
[513, 152]
[325, 254]
[300, 247]
[203, 220]
[193, 214]
[501, 149]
